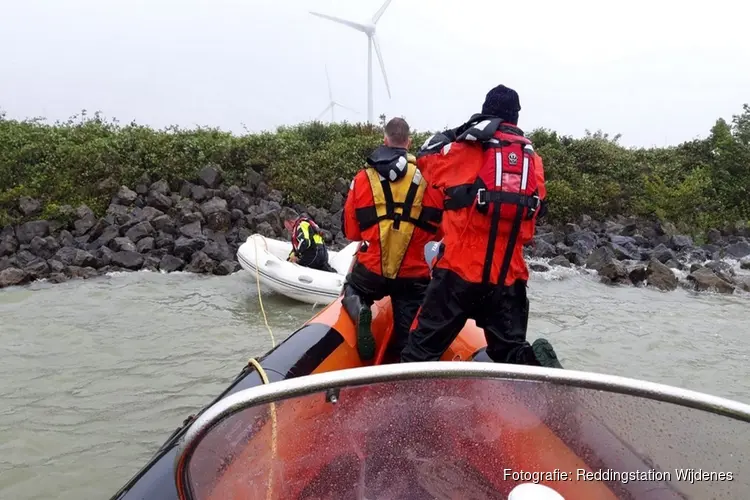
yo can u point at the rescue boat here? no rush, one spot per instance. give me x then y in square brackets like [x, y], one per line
[265, 259]
[310, 420]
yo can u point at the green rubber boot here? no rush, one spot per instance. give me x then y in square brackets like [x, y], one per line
[361, 315]
[545, 353]
[365, 339]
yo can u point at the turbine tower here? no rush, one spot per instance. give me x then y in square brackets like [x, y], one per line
[372, 40]
[332, 104]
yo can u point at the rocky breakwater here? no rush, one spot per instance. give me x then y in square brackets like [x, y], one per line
[198, 225]
[638, 252]
[195, 226]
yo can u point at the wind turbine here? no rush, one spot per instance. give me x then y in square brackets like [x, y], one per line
[332, 104]
[372, 40]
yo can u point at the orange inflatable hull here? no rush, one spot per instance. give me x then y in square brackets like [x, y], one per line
[313, 444]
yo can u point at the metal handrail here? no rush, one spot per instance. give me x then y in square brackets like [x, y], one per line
[302, 386]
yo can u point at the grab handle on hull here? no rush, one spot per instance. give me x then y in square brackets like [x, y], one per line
[305, 279]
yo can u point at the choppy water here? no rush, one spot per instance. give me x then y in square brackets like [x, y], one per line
[94, 375]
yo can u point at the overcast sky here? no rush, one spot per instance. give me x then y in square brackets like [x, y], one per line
[659, 71]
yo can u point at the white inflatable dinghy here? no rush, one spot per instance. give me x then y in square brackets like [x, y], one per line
[292, 280]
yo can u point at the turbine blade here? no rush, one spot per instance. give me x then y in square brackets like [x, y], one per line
[324, 111]
[380, 11]
[382, 64]
[330, 92]
[351, 24]
[346, 107]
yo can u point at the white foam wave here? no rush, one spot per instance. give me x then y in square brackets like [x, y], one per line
[559, 273]
[124, 273]
[556, 273]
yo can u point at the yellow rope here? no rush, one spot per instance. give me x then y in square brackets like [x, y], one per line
[260, 299]
[264, 377]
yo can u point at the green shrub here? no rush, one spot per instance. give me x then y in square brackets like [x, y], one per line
[698, 184]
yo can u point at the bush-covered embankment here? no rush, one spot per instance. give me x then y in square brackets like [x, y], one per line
[90, 196]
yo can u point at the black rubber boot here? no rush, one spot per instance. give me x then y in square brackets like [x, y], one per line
[361, 315]
[545, 353]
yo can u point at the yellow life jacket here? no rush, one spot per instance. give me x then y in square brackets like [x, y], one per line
[316, 237]
[306, 229]
[397, 211]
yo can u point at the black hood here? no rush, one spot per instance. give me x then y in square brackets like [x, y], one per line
[435, 142]
[475, 118]
[470, 132]
[389, 162]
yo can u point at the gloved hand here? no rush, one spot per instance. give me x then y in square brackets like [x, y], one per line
[542, 209]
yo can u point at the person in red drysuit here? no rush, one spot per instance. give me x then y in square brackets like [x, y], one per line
[394, 212]
[494, 189]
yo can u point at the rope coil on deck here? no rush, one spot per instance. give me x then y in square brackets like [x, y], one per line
[264, 377]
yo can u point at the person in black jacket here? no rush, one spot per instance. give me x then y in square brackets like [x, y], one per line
[308, 246]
